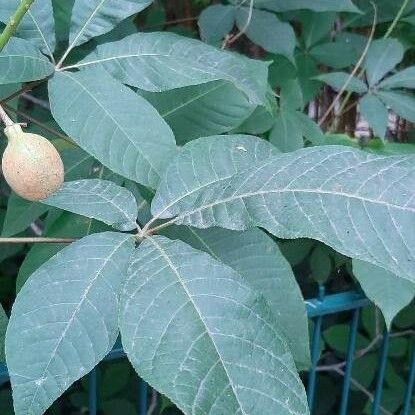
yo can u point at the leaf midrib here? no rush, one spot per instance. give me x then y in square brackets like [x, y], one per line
[320, 192]
[164, 254]
[127, 136]
[71, 319]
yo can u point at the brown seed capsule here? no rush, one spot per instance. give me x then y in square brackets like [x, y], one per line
[31, 164]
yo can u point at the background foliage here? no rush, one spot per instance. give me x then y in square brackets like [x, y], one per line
[340, 72]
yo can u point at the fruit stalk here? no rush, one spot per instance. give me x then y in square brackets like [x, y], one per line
[8, 122]
[14, 22]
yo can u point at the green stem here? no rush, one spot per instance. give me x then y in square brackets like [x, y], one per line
[396, 19]
[14, 22]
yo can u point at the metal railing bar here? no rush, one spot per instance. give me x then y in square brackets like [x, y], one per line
[354, 325]
[92, 392]
[410, 387]
[381, 374]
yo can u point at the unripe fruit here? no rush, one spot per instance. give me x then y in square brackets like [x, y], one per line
[31, 164]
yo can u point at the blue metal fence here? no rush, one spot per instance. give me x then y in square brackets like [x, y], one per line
[317, 309]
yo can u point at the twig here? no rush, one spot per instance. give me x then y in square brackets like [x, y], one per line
[26, 88]
[153, 402]
[363, 352]
[37, 240]
[39, 124]
[396, 19]
[232, 39]
[7, 121]
[353, 73]
[14, 22]
[172, 22]
[42, 103]
[362, 389]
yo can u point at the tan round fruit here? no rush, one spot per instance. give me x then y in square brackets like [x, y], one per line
[31, 165]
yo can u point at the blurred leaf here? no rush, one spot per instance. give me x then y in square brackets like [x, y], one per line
[267, 31]
[286, 134]
[315, 5]
[338, 80]
[375, 113]
[316, 26]
[402, 104]
[337, 337]
[320, 263]
[402, 79]
[382, 57]
[215, 22]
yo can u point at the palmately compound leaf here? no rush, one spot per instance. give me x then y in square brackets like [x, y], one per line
[112, 123]
[360, 204]
[204, 163]
[91, 18]
[161, 61]
[65, 319]
[382, 57]
[388, 292]
[98, 199]
[195, 330]
[257, 258]
[37, 26]
[20, 61]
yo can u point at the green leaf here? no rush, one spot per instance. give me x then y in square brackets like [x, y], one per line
[353, 201]
[382, 57]
[90, 107]
[315, 5]
[97, 199]
[65, 319]
[286, 134]
[215, 22]
[91, 18]
[20, 61]
[291, 96]
[402, 79]
[389, 293]
[257, 258]
[37, 26]
[217, 158]
[337, 80]
[20, 214]
[403, 104]
[3, 326]
[375, 113]
[198, 316]
[201, 110]
[67, 225]
[267, 31]
[62, 11]
[343, 52]
[316, 26]
[309, 128]
[161, 61]
[320, 264]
